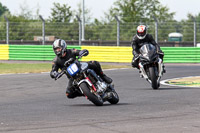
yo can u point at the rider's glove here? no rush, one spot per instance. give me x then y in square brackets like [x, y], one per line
[53, 74]
[136, 56]
[83, 52]
[161, 54]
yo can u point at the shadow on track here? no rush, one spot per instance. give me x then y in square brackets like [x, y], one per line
[105, 104]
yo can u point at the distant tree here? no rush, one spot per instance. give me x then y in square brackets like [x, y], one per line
[25, 12]
[87, 13]
[140, 10]
[60, 13]
[188, 27]
[22, 28]
[134, 12]
[3, 9]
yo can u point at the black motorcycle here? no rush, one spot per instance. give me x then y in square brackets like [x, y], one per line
[88, 83]
[150, 65]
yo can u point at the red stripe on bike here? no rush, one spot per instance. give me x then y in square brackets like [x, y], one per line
[92, 84]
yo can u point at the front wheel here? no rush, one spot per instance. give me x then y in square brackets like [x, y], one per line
[153, 77]
[96, 99]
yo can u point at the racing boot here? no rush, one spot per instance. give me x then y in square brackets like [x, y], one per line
[141, 76]
[107, 95]
[164, 71]
[72, 93]
[107, 79]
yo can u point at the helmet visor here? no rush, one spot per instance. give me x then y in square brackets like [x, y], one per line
[58, 51]
[141, 33]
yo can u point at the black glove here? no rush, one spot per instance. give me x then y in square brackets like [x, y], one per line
[136, 56]
[83, 52]
[54, 74]
[161, 54]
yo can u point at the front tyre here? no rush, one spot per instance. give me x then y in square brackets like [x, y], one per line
[96, 99]
[153, 77]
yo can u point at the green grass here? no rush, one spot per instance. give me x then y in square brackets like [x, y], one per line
[114, 66]
[24, 68]
[37, 67]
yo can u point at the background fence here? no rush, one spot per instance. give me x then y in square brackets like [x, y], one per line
[99, 53]
[19, 32]
[111, 34]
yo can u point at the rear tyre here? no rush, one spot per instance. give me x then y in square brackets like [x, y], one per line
[153, 77]
[96, 99]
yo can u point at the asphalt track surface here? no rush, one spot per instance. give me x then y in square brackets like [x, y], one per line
[34, 103]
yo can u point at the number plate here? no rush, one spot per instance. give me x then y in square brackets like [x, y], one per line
[73, 69]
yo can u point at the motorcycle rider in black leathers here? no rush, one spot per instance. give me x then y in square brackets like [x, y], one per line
[138, 40]
[62, 55]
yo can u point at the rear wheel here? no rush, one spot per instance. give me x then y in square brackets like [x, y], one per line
[153, 77]
[96, 99]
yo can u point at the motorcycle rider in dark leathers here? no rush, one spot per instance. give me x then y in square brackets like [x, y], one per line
[138, 41]
[62, 55]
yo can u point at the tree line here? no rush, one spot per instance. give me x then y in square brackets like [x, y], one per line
[62, 22]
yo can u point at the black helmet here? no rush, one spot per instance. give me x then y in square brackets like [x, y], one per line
[59, 43]
[141, 31]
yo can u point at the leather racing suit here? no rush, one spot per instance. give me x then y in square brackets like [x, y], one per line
[137, 43]
[58, 63]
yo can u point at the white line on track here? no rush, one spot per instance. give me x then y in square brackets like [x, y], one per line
[13, 73]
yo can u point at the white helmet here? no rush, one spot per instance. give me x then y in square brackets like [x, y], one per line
[141, 31]
[59, 43]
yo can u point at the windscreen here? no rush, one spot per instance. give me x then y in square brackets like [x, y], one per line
[147, 49]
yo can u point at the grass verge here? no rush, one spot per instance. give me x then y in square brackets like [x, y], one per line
[37, 67]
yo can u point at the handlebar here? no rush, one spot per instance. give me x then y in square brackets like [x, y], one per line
[68, 62]
[60, 74]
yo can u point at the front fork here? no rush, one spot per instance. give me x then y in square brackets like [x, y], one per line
[160, 70]
[143, 72]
